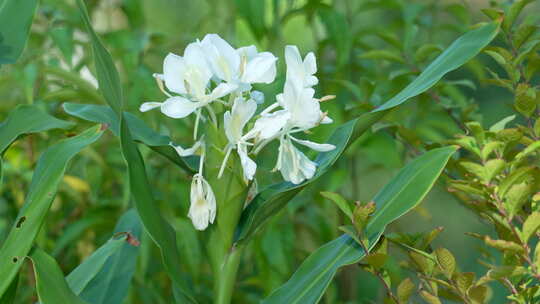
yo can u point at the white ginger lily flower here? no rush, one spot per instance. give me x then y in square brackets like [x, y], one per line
[234, 122]
[202, 210]
[188, 76]
[241, 67]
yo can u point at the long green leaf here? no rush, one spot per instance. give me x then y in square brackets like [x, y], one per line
[138, 128]
[26, 119]
[15, 20]
[404, 192]
[458, 53]
[157, 227]
[47, 176]
[111, 284]
[107, 75]
[272, 199]
[50, 283]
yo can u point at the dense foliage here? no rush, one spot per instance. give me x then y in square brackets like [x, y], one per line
[398, 103]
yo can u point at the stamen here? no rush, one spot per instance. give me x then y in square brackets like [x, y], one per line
[326, 98]
[160, 85]
[222, 168]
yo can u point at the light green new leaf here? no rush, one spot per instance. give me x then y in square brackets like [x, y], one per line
[138, 128]
[111, 284]
[50, 283]
[15, 21]
[47, 176]
[26, 119]
[107, 75]
[458, 53]
[404, 192]
[272, 199]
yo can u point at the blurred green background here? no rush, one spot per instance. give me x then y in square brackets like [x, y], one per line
[367, 50]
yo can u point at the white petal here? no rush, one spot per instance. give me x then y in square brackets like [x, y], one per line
[247, 51]
[221, 90]
[197, 73]
[295, 67]
[248, 165]
[202, 210]
[307, 166]
[186, 152]
[269, 125]
[179, 107]
[236, 120]
[327, 120]
[260, 69]
[223, 58]
[147, 106]
[315, 146]
[310, 63]
[173, 73]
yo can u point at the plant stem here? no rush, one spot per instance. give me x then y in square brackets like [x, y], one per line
[227, 276]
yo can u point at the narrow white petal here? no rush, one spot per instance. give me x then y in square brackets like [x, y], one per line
[178, 107]
[202, 210]
[315, 146]
[248, 165]
[221, 90]
[188, 151]
[310, 63]
[327, 120]
[174, 68]
[147, 106]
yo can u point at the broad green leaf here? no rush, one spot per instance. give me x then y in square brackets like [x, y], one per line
[531, 225]
[50, 283]
[272, 199]
[79, 278]
[107, 75]
[157, 227]
[26, 119]
[110, 283]
[15, 20]
[138, 128]
[458, 53]
[404, 192]
[74, 231]
[47, 176]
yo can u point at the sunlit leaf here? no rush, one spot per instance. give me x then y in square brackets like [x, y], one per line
[458, 53]
[405, 191]
[47, 176]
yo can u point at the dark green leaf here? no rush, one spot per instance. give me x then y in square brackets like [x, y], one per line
[457, 54]
[15, 21]
[50, 283]
[138, 128]
[110, 285]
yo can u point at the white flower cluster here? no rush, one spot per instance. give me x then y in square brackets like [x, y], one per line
[212, 69]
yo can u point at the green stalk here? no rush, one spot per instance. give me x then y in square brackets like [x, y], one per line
[227, 277]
